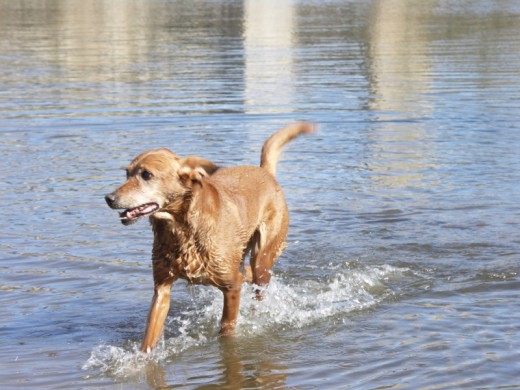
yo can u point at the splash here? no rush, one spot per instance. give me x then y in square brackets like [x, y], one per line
[301, 303]
[287, 305]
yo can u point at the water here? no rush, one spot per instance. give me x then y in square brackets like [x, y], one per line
[402, 264]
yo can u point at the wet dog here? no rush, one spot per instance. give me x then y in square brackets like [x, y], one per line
[205, 221]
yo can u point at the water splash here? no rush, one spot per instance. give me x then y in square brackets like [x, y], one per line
[287, 305]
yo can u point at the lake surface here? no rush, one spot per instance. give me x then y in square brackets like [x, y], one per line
[402, 267]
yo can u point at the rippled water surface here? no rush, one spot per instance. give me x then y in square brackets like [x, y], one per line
[402, 267]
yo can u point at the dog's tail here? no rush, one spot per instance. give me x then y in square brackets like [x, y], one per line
[274, 144]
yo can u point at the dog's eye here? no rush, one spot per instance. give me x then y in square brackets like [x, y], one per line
[146, 175]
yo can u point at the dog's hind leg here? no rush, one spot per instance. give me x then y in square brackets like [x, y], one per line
[270, 245]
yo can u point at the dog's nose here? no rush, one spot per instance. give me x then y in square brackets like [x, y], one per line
[110, 199]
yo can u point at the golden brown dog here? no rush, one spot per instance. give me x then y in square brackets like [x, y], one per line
[205, 221]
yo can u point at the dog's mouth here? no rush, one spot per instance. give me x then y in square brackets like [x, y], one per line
[129, 216]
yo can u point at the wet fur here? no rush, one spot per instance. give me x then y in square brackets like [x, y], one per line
[205, 221]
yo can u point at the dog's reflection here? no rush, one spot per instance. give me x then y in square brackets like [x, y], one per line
[252, 364]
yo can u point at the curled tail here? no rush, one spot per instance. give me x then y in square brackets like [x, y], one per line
[274, 144]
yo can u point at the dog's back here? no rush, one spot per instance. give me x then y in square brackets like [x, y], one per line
[251, 191]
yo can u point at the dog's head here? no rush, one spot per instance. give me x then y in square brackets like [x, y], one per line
[157, 180]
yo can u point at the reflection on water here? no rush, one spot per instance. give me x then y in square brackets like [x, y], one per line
[400, 81]
[402, 265]
[268, 39]
[103, 58]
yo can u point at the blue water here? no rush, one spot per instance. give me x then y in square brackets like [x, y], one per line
[402, 267]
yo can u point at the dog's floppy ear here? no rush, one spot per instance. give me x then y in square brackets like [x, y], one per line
[193, 168]
[194, 162]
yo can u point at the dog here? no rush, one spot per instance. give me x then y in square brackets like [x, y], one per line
[205, 221]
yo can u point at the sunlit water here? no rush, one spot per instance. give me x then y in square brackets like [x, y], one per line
[402, 267]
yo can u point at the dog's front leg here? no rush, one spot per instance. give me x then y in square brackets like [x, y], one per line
[231, 306]
[157, 315]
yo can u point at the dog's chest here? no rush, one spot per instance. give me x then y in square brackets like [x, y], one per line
[188, 255]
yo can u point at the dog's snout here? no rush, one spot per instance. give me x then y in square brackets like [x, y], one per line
[110, 199]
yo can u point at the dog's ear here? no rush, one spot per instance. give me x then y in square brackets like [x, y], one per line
[194, 169]
[189, 175]
[194, 162]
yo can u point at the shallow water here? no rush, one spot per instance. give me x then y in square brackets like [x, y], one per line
[402, 267]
